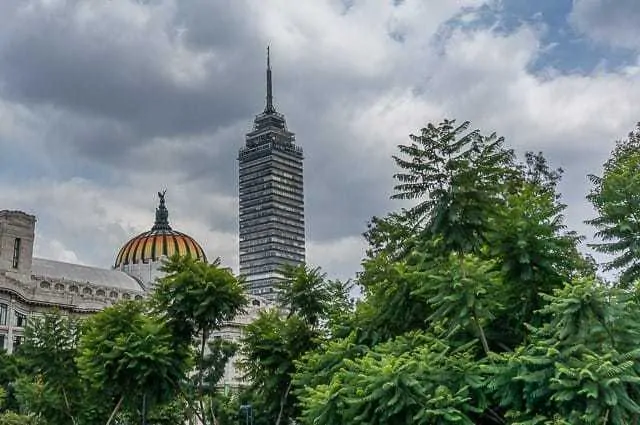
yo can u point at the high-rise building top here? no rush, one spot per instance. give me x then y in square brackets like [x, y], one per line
[272, 231]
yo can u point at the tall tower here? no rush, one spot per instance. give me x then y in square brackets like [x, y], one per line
[271, 200]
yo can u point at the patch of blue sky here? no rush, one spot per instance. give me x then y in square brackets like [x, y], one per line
[563, 49]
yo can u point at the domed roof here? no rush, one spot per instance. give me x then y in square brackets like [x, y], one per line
[160, 241]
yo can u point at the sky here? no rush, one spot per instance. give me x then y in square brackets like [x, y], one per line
[105, 102]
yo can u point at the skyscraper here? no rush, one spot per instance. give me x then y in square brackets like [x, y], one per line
[271, 199]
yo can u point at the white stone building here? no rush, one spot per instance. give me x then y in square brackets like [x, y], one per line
[30, 286]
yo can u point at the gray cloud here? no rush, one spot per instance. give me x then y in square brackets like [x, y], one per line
[115, 100]
[105, 66]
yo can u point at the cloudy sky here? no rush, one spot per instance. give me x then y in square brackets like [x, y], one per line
[105, 102]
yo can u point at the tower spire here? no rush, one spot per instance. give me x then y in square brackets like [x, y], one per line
[269, 108]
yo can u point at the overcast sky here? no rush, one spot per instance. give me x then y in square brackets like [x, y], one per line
[105, 102]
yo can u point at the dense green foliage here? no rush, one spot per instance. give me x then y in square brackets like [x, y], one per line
[477, 308]
[275, 342]
[616, 198]
[195, 299]
[132, 361]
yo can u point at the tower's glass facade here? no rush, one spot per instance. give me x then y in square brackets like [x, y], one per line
[271, 200]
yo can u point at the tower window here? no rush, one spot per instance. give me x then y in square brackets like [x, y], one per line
[16, 253]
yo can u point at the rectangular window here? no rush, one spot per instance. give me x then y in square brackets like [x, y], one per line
[17, 341]
[4, 311]
[16, 253]
[3, 344]
[21, 320]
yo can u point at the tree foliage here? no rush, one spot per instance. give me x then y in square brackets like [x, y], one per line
[127, 355]
[477, 308]
[582, 365]
[616, 199]
[274, 342]
[51, 383]
[484, 279]
[457, 177]
[195, 299]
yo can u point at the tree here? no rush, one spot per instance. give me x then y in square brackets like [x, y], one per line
[195, 299]
[307, 293]
[616, 198]
[273, 343]
[467, 268]
[534, 251]
[413, 379]
[458, 178]
[582, 364]
[271, 346]
[8, 417]
[51, 385]
[127, 355]
[9, 372]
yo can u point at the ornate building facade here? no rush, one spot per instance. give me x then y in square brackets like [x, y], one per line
[271, 206]
[32, 286]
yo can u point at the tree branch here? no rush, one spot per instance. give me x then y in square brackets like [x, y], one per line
[203, 343]
[115, 410]
[283, 401]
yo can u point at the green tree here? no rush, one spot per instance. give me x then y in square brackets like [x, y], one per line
[394, 235]
[9, 417]
[127, 355]
[307, 293]
[195, 299]
[51, 385]
[468, 265]
[458, 176]
[413, 379]
[275, 342]
[463, 297]
[616, 199]
[532, 248]
[582, 365]
[271, 346]
[9, 372]
[12, 418]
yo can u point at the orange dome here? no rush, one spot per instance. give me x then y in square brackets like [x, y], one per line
[158, 242]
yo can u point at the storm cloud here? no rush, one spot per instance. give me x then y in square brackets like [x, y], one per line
[103, 103]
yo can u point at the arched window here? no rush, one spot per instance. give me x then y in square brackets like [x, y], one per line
[113, 294]
[45, 285]
[138, 297]
[100, 292]
[73, 289]
[87, 291]
[126, 296]
[59, 287]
